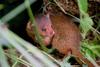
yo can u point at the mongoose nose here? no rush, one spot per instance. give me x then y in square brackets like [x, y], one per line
[52, 32]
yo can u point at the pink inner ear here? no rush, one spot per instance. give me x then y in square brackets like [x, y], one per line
[43, 20]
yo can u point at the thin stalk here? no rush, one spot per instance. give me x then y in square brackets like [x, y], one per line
[3, 59]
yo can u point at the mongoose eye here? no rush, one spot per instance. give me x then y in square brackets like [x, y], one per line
[43, 29]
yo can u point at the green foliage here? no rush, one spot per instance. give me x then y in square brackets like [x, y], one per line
[85, 21]
[85, 24]
[83, 5]
[90, 48]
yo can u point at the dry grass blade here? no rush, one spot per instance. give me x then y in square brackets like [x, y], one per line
[3, 59]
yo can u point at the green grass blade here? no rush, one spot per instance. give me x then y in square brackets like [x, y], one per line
[85, 21]
[92, 61]
[83, 5]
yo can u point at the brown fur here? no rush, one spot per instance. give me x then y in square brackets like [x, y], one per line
[67, 37]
